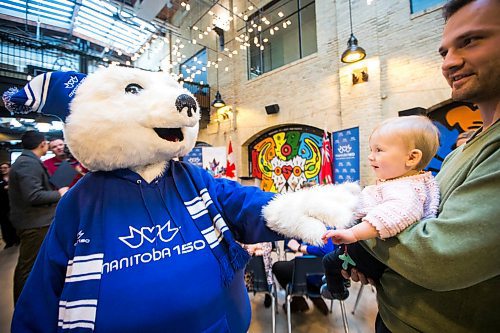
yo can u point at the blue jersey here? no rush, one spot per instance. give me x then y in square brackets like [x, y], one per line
[125, 256]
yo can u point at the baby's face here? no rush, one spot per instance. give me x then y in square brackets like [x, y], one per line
[388, 156]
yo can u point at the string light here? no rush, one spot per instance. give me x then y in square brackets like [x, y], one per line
[254, 30]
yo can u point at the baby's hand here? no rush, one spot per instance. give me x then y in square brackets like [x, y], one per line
[326, 235]
[341, 236]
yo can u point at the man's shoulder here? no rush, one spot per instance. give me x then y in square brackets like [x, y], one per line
[25, 163]
[23, 159]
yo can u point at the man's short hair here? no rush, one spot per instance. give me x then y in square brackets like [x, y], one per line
[31, 139]
[452, 6]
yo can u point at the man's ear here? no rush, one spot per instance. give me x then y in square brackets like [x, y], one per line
[43, 143]
[414, 158]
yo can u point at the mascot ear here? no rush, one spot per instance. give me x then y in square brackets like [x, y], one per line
[48, 94]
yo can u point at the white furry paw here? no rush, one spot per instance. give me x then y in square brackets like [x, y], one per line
[303, 214]
[284, 221]
[333, 204]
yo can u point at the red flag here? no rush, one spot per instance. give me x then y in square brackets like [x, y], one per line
[326, 173]
[230, 166]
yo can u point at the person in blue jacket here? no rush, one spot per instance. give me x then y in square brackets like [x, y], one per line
[283, 271]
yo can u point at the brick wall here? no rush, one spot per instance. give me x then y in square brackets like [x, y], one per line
[402, 62]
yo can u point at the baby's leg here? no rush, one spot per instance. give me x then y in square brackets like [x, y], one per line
[365, 262]
[336, 284]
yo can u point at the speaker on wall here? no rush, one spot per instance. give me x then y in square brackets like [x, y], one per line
[272, 109]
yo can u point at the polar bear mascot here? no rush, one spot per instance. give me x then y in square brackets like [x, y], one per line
[144, 242]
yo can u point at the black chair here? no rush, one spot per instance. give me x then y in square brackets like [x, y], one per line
[305, 266]
[256, 269]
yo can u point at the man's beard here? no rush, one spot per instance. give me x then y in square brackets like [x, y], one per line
[480, 88]
[473, 92]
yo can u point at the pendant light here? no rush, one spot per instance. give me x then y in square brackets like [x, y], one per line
[353, 53]
[218, 101]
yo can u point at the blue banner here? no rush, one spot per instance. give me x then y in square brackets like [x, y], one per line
[346, 155]
[194, 157]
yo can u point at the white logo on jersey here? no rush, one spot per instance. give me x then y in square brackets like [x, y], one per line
[165, 233]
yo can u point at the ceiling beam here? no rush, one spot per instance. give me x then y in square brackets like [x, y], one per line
[76, 9]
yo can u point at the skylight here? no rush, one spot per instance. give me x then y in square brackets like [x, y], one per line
[100, 21]
[112, 26]
[53, 12]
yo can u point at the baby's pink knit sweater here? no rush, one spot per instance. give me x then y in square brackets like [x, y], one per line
[391, 206]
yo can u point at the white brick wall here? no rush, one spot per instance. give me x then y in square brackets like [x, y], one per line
[403, 66]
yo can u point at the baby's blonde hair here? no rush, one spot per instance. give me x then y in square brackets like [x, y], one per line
[417, 132]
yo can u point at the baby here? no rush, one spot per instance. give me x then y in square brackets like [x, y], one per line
[403, 194]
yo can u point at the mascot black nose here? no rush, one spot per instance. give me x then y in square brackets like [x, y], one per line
[186, 101]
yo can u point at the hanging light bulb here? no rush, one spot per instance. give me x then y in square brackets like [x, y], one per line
[218, 102]
[353, 53]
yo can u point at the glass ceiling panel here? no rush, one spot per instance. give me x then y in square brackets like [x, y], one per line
[53, 12]
[101, 21]
[111, 26]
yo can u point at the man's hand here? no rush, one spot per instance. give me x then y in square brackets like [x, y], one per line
[63, 190]
[357, 276]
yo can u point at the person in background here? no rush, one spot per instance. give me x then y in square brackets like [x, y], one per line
[443, 273]
[400, 148]
[283, 271]
[264, 250]
[32, 203]
[8, 231]
[463, 137]
[58, 147]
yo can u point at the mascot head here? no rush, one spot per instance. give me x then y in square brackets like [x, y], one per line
[117, 117]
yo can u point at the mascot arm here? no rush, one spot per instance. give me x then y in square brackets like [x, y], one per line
[241, 207]
[303, 214]
[38, 306]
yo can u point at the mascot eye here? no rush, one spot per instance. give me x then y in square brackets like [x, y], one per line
[297, 171]
[277, 171]
[133, 88]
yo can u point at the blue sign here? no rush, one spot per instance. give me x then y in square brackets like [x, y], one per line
[346, 155]
[194, 157]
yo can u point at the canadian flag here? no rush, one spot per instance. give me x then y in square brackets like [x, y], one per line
[230, 166]
[326, 173]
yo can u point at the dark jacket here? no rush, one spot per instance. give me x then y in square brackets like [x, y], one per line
[32, 198]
